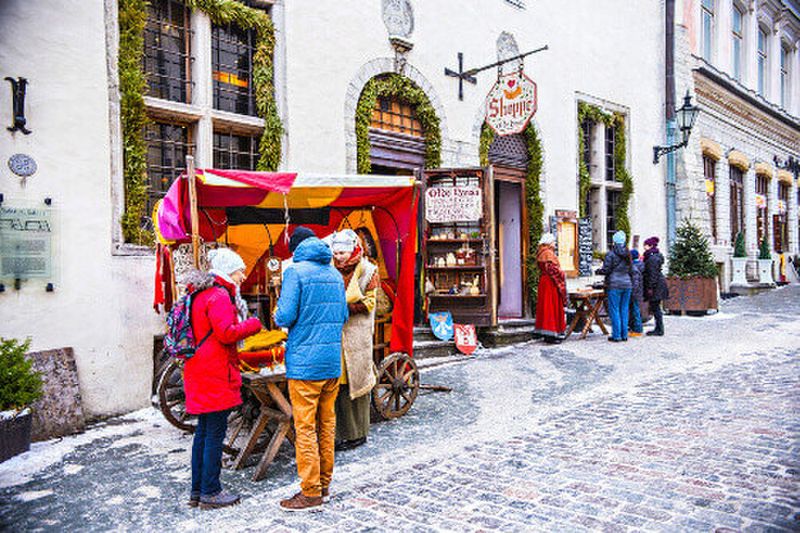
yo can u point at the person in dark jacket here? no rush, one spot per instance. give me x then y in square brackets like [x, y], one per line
[313, 306]
[637, 294]
[211, 378]
[655, 286]
[617, 268]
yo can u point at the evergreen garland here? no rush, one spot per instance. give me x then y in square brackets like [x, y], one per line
[20, 385]
[397, 86]
[133, 118]
[690, 256]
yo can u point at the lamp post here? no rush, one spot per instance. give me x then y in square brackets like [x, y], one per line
[685, 117]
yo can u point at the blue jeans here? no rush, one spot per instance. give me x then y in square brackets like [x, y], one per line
[207, 452]
[618, 302]
[636, 316]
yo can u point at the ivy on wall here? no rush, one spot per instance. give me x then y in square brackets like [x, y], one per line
[400, 87]
[592, 113]
[133, 86]
[533, 196]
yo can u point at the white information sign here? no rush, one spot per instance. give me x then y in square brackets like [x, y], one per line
[511, 103]
[26, 235]
[453, 204]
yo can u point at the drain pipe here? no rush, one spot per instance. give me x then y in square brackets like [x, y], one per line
[669, 113]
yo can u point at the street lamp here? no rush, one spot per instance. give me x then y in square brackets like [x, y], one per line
[686, 117]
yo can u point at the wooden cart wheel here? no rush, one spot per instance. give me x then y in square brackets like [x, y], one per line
[397, 386]
[172, 400]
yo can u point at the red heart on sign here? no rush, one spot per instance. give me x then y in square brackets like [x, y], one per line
[511, 83]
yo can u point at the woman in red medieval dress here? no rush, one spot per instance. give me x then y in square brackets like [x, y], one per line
[552, 295]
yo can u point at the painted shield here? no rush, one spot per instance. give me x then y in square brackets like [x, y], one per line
[466, 338]
[442, 325]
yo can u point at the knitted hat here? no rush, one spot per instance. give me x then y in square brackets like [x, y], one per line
[300, 234]
[225, 260]
[547, 238]
[344, 241]
[619, 237]
[652, 241]
[634, 254]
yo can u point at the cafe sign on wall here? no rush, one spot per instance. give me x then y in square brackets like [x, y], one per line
[453, 204]
[511, 103]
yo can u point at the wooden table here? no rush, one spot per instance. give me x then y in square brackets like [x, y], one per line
[269, 395]
[587, 305]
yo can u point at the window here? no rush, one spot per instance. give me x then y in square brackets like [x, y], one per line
[611, 171]
[762, 206]
[737, 43]
[785, 80]
[235, 151]
[167, 56]
[612, 201]
[762, 61]
[710, 172]
[167, 148]
[780, 220]
[737, 202]
[391, 114]
[707, 22]
[231, 69]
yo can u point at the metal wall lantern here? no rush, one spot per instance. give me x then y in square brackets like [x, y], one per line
[685, 116]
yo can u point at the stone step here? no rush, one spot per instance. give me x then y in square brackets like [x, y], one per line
[505, 335]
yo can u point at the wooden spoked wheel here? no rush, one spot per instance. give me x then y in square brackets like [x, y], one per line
[172, 400]
[397, 386]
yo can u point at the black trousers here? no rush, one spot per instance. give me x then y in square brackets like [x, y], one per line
[655, 308]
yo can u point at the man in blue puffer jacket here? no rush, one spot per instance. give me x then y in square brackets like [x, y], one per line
[314, 308]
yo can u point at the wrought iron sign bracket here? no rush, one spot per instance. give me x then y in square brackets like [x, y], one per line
[658, 151]
[18, 88]
[469, 75]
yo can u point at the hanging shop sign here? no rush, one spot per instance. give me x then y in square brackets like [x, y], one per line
[466, 338]
[511, 103]
[453, 204]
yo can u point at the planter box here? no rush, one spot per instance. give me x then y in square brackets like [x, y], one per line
[739, 268]
[765, 271]
[693, 294]
[15, 434]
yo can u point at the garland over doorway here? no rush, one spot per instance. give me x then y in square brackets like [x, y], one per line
[400, 87]
[593, 113]
[133, 86]
[533, 196]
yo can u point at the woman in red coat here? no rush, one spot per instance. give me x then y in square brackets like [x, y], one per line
[552, 295]
[211, 377]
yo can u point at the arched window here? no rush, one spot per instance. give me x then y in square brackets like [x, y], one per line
[392, 114]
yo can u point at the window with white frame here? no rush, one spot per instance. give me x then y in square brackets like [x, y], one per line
[737, 38]
[707, 25]
[785, 80]
[762, 61]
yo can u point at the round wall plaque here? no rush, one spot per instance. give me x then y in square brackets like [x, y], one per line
[22, 165]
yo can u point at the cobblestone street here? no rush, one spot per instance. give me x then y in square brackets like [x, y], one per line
[695, 431]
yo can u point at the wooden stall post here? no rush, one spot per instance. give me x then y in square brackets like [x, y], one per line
[195, 219]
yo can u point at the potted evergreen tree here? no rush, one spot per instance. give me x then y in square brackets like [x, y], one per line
[20, 386]
[765, 263]
[739, 261]
[692, 276]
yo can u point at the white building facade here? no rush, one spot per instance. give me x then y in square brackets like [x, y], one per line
[200, 101]
[741, 61]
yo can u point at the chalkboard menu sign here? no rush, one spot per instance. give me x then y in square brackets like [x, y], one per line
[26, 242]
[585, 246]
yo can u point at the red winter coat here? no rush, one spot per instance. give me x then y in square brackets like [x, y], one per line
[211, 378]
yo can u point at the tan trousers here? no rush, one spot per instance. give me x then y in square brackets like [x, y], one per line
[314, 412]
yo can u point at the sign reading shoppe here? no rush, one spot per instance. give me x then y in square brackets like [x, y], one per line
[511, 103]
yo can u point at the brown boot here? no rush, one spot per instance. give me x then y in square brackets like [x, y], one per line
[301, 502]
[326, 495]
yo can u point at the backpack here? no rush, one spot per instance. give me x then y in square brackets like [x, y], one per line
[179, 341]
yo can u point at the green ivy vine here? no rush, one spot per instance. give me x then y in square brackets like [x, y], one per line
[533, 196]
[133, 86]
[593, 113]
[396, 86]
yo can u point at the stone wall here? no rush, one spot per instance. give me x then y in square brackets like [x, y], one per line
[59, 411]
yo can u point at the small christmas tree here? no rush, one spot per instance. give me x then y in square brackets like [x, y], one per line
[763, 250]
[738, 248]
[690, 256]
[20, 385]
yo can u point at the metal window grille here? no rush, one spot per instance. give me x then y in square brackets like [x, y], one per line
[612, 201]
[737, 202]
[710, 173]
[391, 114]
[167, 148]
[167, 54]
[611, 170]
[232, 69]
[235, 151]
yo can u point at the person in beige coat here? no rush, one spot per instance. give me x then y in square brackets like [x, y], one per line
[361, 281]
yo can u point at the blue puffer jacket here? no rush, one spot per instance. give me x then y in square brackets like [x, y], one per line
[313, 306]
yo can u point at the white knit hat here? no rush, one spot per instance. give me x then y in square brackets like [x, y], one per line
[344, 241]
[225, 260]
[547, 238]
